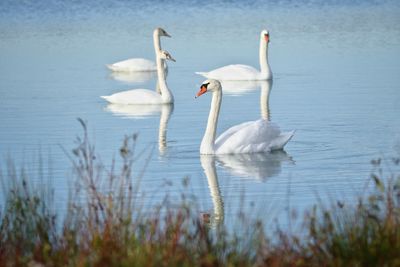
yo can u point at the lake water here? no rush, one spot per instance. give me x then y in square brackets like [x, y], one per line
[336, 82]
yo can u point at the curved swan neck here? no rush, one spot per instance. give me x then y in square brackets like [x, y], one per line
[156, 41]
[166, 94]
[207, 144]
[264, 65]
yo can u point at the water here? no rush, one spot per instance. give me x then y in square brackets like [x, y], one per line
[336, 82]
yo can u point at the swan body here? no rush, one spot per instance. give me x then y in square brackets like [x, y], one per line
[141, 64]
[240, 72]
[252, 137]
[145, 96]
[248, 137]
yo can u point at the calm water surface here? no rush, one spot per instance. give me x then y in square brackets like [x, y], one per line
[336, 82]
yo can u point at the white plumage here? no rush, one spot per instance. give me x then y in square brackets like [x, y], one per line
[252, 137]
[241, 72]
[140, 64]
[248, 137]
[145, 96]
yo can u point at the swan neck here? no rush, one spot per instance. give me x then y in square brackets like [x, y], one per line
[207, 144]
[156, 41]
[264, 65]
[166, 94]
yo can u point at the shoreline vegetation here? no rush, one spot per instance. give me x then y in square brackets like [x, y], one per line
[106, 225]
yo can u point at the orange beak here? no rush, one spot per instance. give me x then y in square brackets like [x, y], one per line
[266, 36]
[202, 90]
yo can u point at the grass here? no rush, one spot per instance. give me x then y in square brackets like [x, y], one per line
[105, 225]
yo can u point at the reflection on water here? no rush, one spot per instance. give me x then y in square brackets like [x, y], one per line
[208, 165]
[239, 87]
[133, 77]
[142, 111]
[266, 87]
[166, 112]
[253, 166]
[134, 111]
[258, 166]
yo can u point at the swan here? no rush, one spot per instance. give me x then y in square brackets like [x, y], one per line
[248, 137]
[141, 64]
[240, 72]
[145, 96]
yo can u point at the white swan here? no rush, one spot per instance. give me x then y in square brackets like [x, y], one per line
[141, 64]
[145, 96]
[244, 72]
[248, 137]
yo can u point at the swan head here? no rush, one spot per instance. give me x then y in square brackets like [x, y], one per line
[209, 85]
[265, 35]
[166, 56]
[161, 32]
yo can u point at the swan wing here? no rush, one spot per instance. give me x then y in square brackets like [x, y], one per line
[231, 131]
[235, 72]
[133, 64]
[134, 97]
[252, 137]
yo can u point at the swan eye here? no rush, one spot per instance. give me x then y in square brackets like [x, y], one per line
[205, 85]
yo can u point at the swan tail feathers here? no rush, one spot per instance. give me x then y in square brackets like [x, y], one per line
[106, 97]
[112, 67]
[279, 142]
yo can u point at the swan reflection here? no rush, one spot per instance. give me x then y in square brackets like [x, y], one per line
[133, 77]
[143, 111]
[166, 112]
[266, 87]
[134, 111]
[208, 165]
[239, 87]
[259, 166]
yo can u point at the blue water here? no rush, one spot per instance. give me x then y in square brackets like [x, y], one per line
[336, 82]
